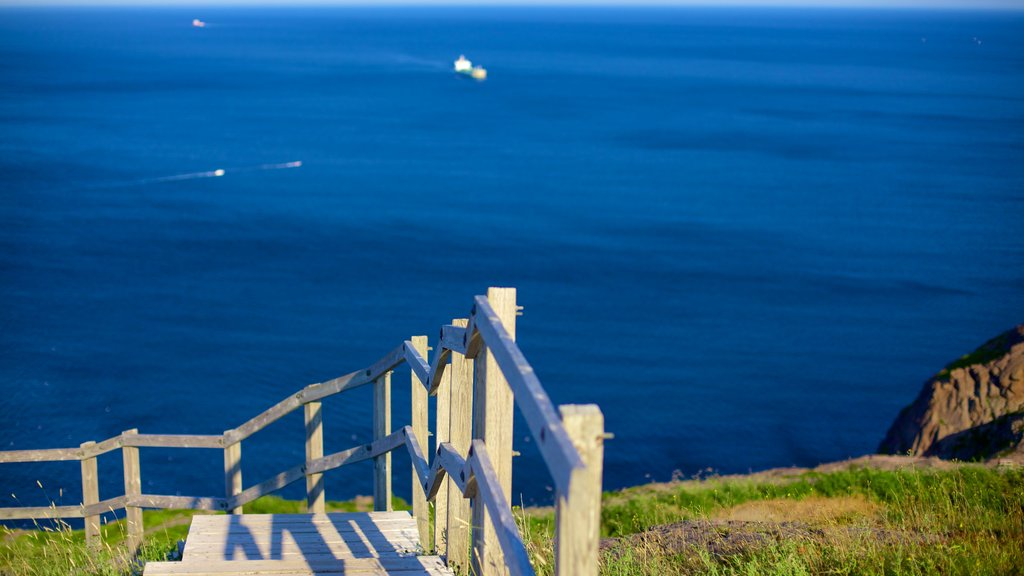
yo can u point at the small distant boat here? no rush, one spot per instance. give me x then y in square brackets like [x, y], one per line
[466, 68]
[198, 23]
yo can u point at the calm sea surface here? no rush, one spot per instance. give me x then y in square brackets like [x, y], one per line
[748, 235]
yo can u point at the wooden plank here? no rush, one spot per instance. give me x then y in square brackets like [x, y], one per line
[41, 512]
[420, 425]
[435, 479]
[416, 360]
[295, 571]
[50, 512]
[440, 499]
[453, 337]
[100, 448]
[384, 526]
[46, 455]
[233, 474]
[288, 549]
[454, 466]
[492, 495]
[90, 496]
[323, 532]
[474, 342]
[358, 453]
[132, 489]
[318, 565]
[437, 367]
[173, 441]
[268, 486]
[545, 424]
[302, 517]
[492, 422]
[355, 379]
[262, 420]
[458, 516]
[420, 470]
[381, 428]
[176, 502]
[578, 512]
[330, 517]
[315, 499]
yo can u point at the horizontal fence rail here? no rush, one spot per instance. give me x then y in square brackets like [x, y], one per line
[478, 373]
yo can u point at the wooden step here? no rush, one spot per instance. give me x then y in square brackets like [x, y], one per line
[302, 544]
[409, 566]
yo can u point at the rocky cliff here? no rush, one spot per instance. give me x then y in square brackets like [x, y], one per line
[973, 409]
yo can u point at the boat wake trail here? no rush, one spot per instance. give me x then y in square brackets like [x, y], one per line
[214, 173]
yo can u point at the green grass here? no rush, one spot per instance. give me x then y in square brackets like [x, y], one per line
[969, 520]
[987, 352]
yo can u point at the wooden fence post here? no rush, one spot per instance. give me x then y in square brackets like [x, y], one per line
[233, 473]
[420, 427]
[381, 428]
[492, 423]
[456, 394]
[314, 449]
[578, 513]
[90, 495]
[132, 488]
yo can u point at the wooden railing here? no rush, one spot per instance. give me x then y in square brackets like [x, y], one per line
[477, 374]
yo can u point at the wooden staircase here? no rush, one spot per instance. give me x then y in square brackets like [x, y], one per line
[477, 375]
[303, 544]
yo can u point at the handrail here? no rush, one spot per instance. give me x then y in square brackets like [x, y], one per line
[474, 476]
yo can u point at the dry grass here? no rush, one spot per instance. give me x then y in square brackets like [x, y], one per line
[813, 510]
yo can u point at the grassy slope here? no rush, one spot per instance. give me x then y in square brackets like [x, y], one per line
[961, 520]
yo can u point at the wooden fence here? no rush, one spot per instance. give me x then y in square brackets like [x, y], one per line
[477, 374]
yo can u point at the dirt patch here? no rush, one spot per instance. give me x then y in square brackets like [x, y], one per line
[731, 537]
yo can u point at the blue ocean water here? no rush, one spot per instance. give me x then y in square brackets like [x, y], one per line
[749, 235]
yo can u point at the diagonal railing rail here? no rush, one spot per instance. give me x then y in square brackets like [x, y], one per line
[478, 374]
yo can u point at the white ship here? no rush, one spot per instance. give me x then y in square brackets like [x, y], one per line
[198, 23]
[466, 68]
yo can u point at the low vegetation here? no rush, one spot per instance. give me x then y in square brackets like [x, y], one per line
[965, 519]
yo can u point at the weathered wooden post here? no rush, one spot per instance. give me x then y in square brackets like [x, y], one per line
[420, 421]
[233, 472]
[132, 489]
[90, 496]
[315, 500]
[578, 513]
[455, 401]
[381, 428]
[492, 423]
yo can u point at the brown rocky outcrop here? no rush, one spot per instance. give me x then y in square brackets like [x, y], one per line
[973, 409]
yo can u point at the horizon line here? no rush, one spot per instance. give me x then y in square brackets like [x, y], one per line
[882, 5]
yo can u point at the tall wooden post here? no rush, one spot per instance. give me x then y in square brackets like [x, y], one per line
[458, 382]
[315, 502]
[578, 513]
[420, 421]
[492, 423]
[381, 428]
[132, 488]
[90, 495]
[233, 473]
